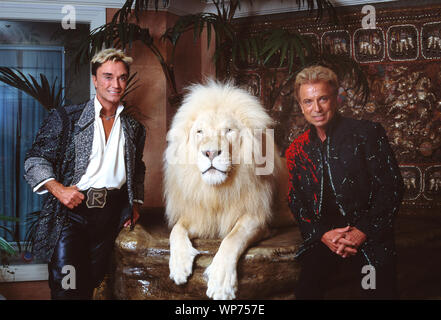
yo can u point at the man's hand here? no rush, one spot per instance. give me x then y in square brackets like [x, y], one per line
[69, 196]
[135, 216]
[353, 238]
[336, 241]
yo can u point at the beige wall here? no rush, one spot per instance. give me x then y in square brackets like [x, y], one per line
[192, 62]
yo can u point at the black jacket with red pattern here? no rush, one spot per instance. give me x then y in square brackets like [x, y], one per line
[364, 177]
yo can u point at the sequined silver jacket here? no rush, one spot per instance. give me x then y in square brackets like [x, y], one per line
[61, 150]
[364, 177]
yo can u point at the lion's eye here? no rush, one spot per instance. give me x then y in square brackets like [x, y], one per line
[229, 130]
[199, 131]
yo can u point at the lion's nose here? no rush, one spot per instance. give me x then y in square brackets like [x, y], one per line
[211, 154]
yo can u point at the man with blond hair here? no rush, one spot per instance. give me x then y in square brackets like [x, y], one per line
[345, 190]
[89, 158]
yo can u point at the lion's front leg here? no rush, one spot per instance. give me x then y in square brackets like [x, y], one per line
[182, 254]
[221, 274]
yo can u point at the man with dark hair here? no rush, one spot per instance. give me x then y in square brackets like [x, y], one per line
[89, 158]
[345, 190]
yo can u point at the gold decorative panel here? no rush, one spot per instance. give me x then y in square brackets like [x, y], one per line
[402, 60]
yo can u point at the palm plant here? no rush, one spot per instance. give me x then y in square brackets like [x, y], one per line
[49, 96]
[290, 46]
[5, 246]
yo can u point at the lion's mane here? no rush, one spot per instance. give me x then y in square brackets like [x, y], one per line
[211, 211]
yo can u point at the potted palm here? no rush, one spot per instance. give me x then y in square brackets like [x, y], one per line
[6, 249]
[289, 47]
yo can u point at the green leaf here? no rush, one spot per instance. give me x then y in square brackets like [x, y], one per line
[139, 6]
[9, 218]
[209, 26]
[291, 57]
[283, 53]
[299, 49]
[271, 53]
[41, 92]
[131, 85]
[5, 246]
[196, 29]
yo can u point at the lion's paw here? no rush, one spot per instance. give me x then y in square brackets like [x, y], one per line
[181, 263]
[221, 281]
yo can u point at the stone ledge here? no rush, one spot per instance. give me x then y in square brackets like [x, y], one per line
[267, 270]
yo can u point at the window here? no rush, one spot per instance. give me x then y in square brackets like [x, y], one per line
[34, 48]
[20, 119]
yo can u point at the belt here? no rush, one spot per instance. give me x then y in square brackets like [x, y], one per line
[102, 197]
[99, 197]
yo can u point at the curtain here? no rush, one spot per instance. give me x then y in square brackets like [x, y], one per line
[8, 141]
[20, 119]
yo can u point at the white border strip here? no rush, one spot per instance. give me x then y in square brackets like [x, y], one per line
[88, 3]
[24, 272]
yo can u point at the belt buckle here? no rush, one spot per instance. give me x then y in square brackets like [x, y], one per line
[96, 198]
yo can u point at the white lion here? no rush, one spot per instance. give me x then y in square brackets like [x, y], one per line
[222, 174]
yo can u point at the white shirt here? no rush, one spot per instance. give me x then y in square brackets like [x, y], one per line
[106, 166]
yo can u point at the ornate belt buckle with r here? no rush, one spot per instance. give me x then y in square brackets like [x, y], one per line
[96, 198]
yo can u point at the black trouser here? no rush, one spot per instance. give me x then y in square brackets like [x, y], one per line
[320, 267]
[85, 246]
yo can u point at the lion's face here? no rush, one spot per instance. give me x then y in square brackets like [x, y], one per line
[215, 136]
[214, 165]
